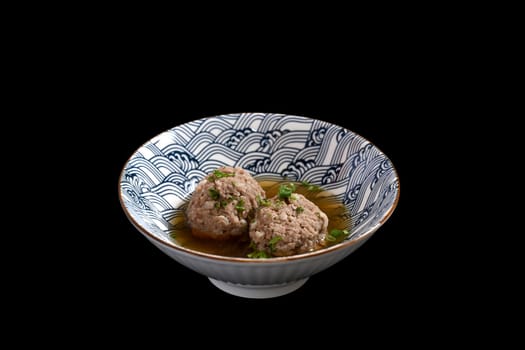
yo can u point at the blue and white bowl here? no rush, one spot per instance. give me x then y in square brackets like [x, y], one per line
[161, 175]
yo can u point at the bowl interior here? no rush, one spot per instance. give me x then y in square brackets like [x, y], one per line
[159, 178]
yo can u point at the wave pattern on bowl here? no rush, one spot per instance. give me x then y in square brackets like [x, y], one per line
[160, 177]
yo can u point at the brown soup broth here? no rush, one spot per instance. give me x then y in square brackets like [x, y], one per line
[338, 218]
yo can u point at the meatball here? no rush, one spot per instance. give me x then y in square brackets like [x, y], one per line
[223, 204]
[288, 227]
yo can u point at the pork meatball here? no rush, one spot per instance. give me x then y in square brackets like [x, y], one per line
[223, 204]
[288, 227]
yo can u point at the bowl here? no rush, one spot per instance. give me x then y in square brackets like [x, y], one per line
[159, 178]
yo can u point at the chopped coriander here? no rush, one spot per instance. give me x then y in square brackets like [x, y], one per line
[258, 254]
[214, 194]
[262, 201]
[299, 210]
[221, 204]
[336, 236]
[310, 187]
[217, 174]
[240, 205]
[273, 241]
[330, 238]
[337, 233]
[286, 190]
[220, 174]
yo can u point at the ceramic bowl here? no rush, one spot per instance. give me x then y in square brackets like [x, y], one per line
[159, 178]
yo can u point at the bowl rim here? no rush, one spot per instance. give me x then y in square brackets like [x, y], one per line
[323, 251]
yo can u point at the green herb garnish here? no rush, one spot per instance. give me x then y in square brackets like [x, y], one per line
[240, 205]
[286, 190]
[273, 241]
[214, 194]
[217, 174]
[259, 254]
[337, 233]
[330, 238]
[310, 187]
[262, 201]
[299, 210]
[221, 204]
[278, 203]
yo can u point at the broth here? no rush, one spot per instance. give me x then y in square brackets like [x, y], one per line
[338, 218]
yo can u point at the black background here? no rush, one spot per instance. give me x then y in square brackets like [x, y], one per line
[93, 102]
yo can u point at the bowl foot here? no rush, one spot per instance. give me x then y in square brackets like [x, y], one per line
[258, 291]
